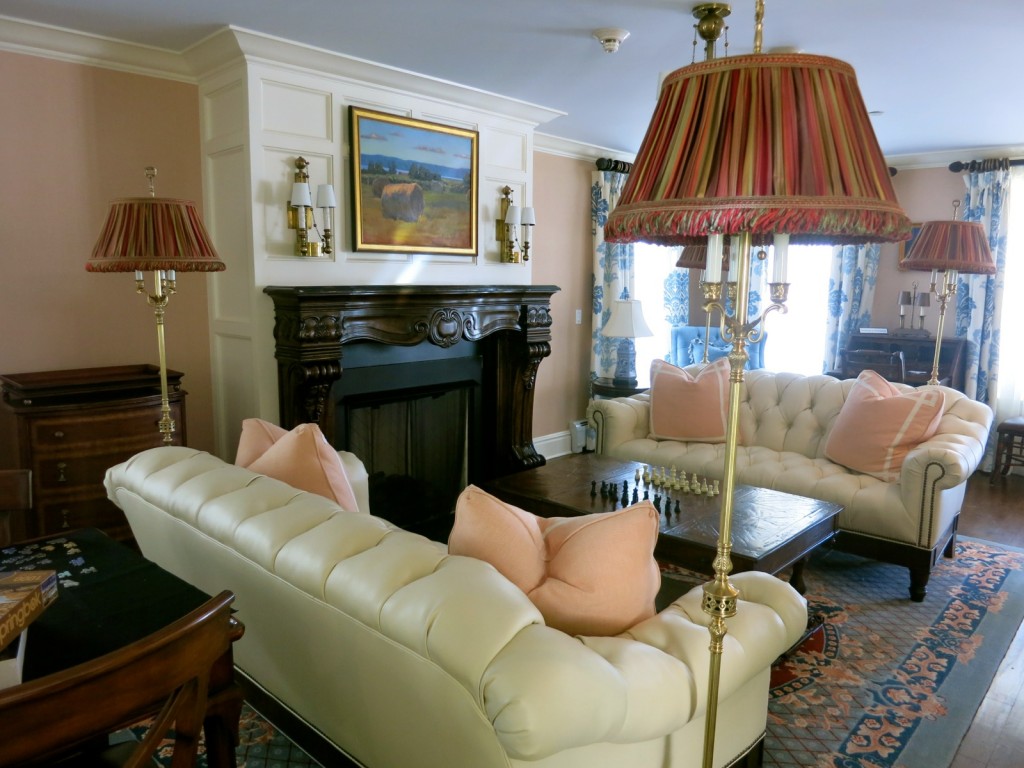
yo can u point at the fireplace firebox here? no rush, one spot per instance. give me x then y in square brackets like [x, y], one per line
[443, 374]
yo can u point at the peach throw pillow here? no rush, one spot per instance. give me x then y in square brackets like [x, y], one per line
[691, 408]
[879, 425]
[302, 458]
[589, 575]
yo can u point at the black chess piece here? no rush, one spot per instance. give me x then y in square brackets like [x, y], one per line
[625, 497]
[677, 507]
[647, 495]
[636, 496]
[604, 490]
[657, 501]
[593, 488]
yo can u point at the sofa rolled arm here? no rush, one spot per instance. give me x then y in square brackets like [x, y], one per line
[619, 419]
[642, 684]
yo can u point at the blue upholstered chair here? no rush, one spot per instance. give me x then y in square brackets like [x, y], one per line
[688, 347]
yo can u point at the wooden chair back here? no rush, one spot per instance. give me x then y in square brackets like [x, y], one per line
[15, 498]
[890, 365]
[165, 674]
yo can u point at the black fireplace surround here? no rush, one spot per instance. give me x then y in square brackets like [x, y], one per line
[425, 338]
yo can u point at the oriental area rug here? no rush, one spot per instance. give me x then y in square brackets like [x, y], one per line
[883, 681]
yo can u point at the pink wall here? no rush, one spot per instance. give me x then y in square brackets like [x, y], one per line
[925, 194]
[563, 258]
[75, 137]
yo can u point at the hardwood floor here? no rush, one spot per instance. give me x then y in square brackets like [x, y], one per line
[996, 738]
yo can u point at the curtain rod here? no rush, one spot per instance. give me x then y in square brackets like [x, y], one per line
[975, 166]
[619, 166]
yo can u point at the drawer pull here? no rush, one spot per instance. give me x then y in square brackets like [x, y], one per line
[58, 434]
[61, 466]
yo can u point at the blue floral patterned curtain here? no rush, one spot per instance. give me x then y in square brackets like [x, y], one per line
[613, 272]
[851, 292]
[979, 298]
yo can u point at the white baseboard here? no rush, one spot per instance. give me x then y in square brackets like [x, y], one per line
[553, 445]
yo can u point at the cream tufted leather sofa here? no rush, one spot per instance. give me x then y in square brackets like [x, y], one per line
[787, 418]
[404, 655]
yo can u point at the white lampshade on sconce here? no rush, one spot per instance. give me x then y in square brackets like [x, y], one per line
[514, 229]
[300, 213]
[626, 322]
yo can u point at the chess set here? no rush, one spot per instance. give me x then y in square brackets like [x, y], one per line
[663, 489]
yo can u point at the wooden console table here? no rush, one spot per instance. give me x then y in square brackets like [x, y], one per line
[918, 355]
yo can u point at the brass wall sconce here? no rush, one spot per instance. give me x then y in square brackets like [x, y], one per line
[300, 213]
[512, 218]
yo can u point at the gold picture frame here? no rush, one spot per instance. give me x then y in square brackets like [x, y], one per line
[904, 245]
[414, 185]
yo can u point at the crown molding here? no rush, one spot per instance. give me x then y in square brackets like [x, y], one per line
[576, 150]
[220, 48]
[944, 158]
[17, 36]
[231, 44]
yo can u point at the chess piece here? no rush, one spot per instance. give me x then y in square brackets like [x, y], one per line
[677, 508]
[657, 501]
[637, 475]
[636, 496]
[593, 488]
[647, 474]
[604, 489]
[716, 488]
[647, 495]
[625, 497]
[695, 483]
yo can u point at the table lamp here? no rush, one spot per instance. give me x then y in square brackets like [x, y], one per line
[626, 323]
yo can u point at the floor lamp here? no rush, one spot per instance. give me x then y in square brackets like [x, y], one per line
[162, 235]
[764, 145]
[949, 247]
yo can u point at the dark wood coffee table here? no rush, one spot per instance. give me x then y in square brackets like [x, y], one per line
[771, 530]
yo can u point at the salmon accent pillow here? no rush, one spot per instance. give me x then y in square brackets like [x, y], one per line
[589, 575]
[690, 408]
[302, 458]
[879, 425]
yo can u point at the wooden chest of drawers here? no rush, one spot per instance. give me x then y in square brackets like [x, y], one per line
[68, 427]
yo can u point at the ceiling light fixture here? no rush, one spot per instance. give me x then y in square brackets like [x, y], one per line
[610, 38]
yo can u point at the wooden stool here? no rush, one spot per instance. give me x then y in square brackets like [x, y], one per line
[1010, 447]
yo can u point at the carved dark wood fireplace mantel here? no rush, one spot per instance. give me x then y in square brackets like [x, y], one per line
[507, 328]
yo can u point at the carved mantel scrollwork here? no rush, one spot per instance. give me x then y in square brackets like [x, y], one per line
[513, 324]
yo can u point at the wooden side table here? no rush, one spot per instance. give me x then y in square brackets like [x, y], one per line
[68, 427]
[608, 388]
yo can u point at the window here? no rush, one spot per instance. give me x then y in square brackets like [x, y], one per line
[796, 339]
[652, 264]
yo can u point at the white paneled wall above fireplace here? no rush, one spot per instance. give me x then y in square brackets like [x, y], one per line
[268, 101]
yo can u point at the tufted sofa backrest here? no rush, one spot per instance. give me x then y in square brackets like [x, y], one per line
[789, 411]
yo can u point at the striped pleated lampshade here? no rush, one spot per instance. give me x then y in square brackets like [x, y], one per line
[151, 233]
[762, 143]
[951, 244]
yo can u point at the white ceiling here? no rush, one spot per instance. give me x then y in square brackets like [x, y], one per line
[945, 74]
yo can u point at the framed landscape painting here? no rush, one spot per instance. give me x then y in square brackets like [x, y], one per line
[414, 185]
